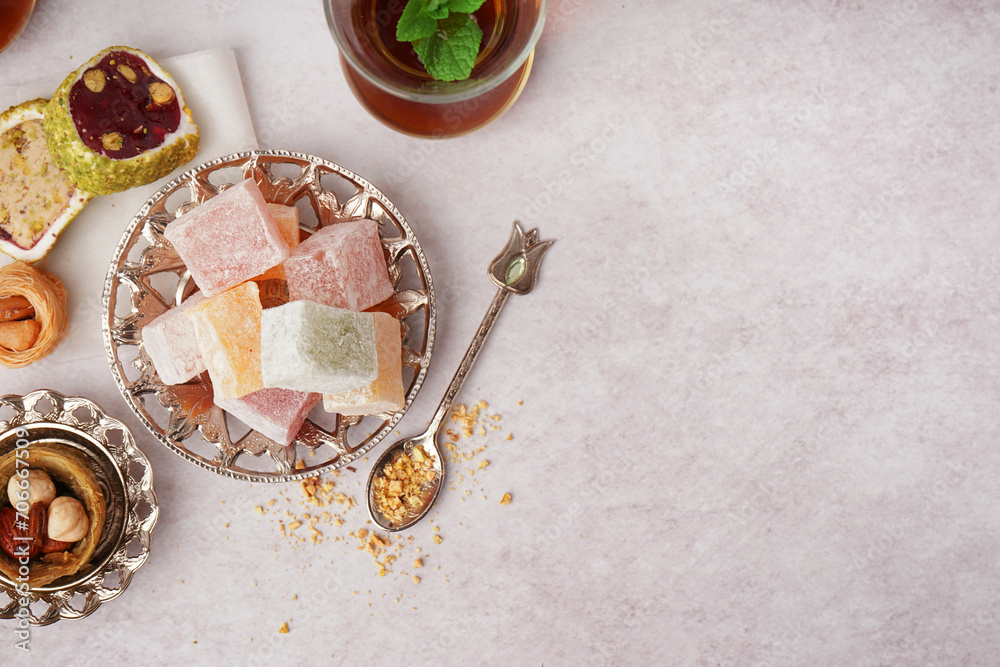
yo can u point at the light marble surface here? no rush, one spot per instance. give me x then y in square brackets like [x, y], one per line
[753, 399]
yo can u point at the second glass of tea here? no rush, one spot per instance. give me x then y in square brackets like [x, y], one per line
[388, 79]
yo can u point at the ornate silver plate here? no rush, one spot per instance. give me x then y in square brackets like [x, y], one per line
[147, 277]
[126, 479]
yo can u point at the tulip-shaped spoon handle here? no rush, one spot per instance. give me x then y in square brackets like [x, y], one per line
[515, 271]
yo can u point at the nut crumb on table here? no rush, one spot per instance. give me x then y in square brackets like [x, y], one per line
[323, 503]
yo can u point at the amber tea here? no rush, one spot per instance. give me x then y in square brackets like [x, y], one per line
[389, 80]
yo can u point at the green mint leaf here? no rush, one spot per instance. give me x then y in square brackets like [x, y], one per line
[437, 9]
[451, 51]
[466, 6]
[415, 23]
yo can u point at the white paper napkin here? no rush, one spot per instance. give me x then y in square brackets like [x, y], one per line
[210, 82]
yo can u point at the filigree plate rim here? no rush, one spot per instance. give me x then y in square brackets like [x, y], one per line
[138, 487]
[197, 179]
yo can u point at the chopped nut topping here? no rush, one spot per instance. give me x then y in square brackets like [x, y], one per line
[160, 92]
[94, 80]
[399, 489]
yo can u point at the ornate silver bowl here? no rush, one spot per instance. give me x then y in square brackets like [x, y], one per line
[126, 480]
[147, 277]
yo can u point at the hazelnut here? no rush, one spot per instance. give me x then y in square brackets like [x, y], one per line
[160, 92]
[94, 80]
[127, 72]
[38, 485]
[68, 520]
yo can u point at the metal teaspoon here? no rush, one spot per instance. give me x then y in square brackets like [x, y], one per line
[514, 271]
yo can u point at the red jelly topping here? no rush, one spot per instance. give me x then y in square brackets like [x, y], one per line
[115, 114]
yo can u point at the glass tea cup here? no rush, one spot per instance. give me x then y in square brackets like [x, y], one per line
[14, 15]
[388, 79]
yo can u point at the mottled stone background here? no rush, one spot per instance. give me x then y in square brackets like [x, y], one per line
[753, 399]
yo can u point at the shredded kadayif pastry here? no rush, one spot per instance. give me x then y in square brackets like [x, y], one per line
[30, 331]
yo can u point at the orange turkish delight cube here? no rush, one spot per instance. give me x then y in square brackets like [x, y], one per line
[287, 219]
[227, 327]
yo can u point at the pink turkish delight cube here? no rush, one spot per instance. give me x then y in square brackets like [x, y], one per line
[341, 265]
[229, 239]
[276, 413]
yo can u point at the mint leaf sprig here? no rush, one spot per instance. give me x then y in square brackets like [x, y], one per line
[444, 35]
